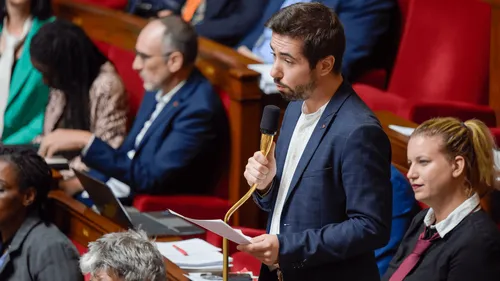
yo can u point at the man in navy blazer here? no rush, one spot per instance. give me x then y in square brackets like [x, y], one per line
[365, 23]
[180, 127]
[327, 189]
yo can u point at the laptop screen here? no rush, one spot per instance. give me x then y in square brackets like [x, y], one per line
[106, 202]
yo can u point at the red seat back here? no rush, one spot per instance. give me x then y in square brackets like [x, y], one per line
[110, 4]
[81, 250]
[222, 188]
[444, 52]
[496, 134]
[403, 9]
[123, 59]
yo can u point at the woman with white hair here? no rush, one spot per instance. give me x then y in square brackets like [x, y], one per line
[124, 256]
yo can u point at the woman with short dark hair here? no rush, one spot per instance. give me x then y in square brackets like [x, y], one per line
[31, 248]
[24, 96]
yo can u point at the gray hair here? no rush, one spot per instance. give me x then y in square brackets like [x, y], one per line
[180, 36]
[128, 255]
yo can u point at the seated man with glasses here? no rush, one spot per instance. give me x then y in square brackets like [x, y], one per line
[180, 127]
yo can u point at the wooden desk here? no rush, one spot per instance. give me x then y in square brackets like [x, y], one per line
[494, 95]
[82, 225]
[399, 142]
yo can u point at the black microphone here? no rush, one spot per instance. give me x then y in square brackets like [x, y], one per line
[270, 120]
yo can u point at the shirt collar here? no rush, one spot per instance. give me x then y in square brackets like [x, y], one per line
[165, 98]
[445, 226]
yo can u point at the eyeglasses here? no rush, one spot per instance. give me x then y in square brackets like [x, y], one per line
[145, 57]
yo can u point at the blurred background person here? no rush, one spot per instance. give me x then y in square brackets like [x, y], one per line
[224, 21]
[451, 168]
[366, 23]
[89, 97]
[23, 94]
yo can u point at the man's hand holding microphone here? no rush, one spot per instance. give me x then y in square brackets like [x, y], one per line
[261, 171]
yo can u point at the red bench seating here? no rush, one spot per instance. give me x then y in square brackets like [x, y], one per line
[442, 64]
[111, 4]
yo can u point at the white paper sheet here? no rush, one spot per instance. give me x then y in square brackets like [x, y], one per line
[56, 161]
[266, 80]
[407, 131]
[199, 277]
[220, 228]
[191, 246]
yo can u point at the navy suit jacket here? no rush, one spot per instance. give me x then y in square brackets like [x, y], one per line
[364, 21]
[338, 208]
[181, 153]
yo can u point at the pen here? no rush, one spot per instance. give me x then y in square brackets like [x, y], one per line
[180, 250]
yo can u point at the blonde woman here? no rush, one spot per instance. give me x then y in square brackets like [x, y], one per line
[451, 168]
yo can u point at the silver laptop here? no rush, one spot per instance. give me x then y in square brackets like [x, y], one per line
[110, 207]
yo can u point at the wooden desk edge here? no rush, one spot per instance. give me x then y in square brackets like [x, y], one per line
[63, 203]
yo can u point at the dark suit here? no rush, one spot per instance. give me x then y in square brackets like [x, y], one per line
[338, 207]
[40, 252]
[181, 153]
[224, 21]
[364, 21]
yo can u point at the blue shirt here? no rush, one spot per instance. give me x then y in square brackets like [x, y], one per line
[262, 47]
[404, 208]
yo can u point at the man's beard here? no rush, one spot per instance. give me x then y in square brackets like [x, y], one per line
[301, 92]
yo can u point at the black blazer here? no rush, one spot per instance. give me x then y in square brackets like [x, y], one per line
[471, 251]
[40, 252]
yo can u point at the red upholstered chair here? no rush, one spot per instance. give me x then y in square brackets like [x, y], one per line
[123, 59]
[442, 63]
[378, 78]
[496, 134]
[246, 261]
[375, 78]
[81, 250]
[111, 4]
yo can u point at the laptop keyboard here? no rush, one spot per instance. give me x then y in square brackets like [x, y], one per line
[151, 226]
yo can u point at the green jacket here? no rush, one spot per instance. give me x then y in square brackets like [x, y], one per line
[28, 97]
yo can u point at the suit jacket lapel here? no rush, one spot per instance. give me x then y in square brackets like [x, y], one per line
[23, 68]
[285, 136]
[171, 108]
[162, 119]
[322, 127]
